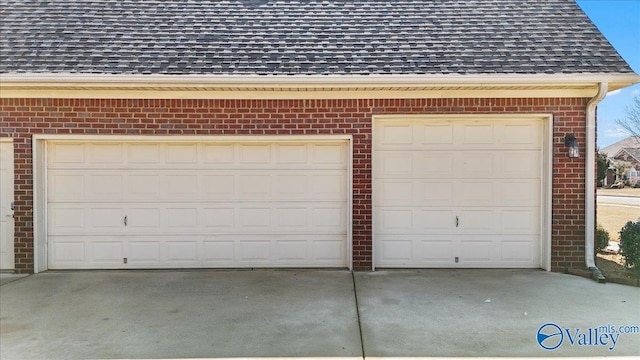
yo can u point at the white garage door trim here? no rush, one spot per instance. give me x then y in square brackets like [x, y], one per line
[545, 171]
[40, 174]
[7, 253]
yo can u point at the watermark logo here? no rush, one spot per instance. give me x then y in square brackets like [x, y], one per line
[551, 336]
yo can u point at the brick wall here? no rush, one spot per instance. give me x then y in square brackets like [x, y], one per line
[21, 118]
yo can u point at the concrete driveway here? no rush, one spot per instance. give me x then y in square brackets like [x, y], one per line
[268, 313]
[492, 313]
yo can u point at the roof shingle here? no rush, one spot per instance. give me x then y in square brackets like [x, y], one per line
[287, 37]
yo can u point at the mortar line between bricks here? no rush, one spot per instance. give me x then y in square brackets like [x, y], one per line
[355, 295]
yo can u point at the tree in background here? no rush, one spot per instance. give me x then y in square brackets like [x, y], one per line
[631, 120]
[622, 169]
[603, 165]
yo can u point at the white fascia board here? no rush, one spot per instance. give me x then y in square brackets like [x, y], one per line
[331, 80]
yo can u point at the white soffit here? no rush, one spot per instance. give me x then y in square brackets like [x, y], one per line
[304, 86]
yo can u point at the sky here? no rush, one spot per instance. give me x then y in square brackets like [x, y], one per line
[619, 21]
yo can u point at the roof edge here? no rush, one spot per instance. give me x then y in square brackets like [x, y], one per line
[626, 150]
[374, 79]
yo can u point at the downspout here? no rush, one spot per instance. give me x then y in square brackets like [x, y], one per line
[590, 181]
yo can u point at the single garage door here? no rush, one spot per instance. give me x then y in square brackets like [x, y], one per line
[192, 205]
[457, 193]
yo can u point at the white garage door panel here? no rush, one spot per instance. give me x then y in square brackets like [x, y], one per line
[79, 185]
[268, 155]
[485, 164]
[472, 251]
[88, 252]
[457, 193]
[199, 218]
[457, 134]
[402, 220]
[197, 205]
[475, 192]
[67, 252]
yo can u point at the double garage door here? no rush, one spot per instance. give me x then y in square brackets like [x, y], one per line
[457, 193]
[148, 204]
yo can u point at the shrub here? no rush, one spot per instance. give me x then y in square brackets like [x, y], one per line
[630, 245]
[602, 239]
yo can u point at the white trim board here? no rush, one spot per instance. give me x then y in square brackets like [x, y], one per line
[7, 189]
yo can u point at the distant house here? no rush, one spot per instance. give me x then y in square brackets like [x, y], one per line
[361, 134]
[627, 150]
[631, 156]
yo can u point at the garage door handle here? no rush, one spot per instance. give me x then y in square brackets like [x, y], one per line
[125, 220]
[457, 221]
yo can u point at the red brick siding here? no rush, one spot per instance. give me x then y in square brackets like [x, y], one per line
[21, 118]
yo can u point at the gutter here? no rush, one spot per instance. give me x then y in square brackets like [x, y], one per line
[590, 181]
[317, 82]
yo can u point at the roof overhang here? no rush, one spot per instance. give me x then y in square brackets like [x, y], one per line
[305, 86]
[625, 150]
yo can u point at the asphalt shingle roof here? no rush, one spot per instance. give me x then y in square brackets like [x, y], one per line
[633, 152]
[630, 142]
[289, 37]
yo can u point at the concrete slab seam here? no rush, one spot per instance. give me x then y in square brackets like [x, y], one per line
[355, 295]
